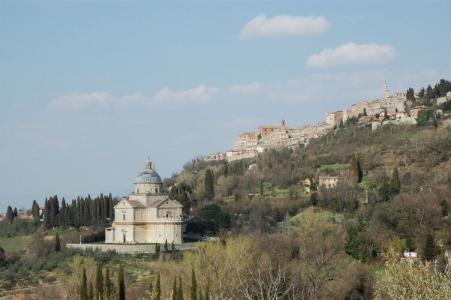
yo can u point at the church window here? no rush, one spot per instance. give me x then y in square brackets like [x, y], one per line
[123, 217]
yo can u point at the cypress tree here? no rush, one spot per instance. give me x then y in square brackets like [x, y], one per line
[180, 290]
[207, 291]
[444, 206]
[151, 289]
[174, 289]
[91, 291]
[57, 246]
[395, 183]
[107, 284]
[209, 185]
[15, 212]
[83, 286]
[158, 288]
[121, 285]
[99, 283]
[9, 214]
[430, 250]
[193, 285]
[356, 168]
[35, 209]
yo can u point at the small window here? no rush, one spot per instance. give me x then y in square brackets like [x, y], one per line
[123, 217]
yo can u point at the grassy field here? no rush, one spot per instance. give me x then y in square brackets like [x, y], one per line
[15, 244]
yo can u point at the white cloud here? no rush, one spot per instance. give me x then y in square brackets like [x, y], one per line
[247, 88]
[352, 53]
[199, 94]
[284, 25]
[76, 101]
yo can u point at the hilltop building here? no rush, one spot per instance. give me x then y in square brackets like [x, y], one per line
[146, 215]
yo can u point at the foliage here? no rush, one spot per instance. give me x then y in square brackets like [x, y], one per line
[402, 280]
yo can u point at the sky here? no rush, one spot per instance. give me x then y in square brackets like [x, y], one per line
[90, 89]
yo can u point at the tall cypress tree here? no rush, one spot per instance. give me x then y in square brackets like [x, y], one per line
[107, 284]
[120, 285]
[193, 285]
[180, 290]
[209, 185]
[35, 209]
[83, 286]
[207, 291]
[9, 214]
[395, 183]
[91, 291]
[99, 283]
[158, 288]
[57, 246]
[175, 291]
[430, 249]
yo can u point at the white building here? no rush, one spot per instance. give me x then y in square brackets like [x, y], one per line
[146, 215]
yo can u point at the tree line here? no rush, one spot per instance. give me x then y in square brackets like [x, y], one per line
[83, 211]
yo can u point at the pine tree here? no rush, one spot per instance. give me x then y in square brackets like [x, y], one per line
[99, 283]
[121, 285]
[9, 214]
[35, 209]
[193, 285]
[209, 185]
[107, 284]
[158, 288]
[430, 249]
[57, 246]
[174, 289]
[83, 286]
[91, 291]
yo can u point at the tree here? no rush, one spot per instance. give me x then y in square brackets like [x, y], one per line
[57, 246]
[193, 285]
[395, 183]
[356, 168]
[180, 289]
[9, 214]
[83, 286]
[174, 289]
[209, 185]
[35, 209]
[107, 284]
[15, 212]
[158, 288]
[314, 199]
[421, 93]
[410, 95]
[99, 283]
[91, 291]
[430, 249]
[120, 285]
[207, 291]
[444, 206]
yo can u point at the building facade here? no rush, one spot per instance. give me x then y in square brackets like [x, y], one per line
[146, 215]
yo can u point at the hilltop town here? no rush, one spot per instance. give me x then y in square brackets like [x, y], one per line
[401, 108]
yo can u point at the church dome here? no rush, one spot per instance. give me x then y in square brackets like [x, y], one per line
[149, 175]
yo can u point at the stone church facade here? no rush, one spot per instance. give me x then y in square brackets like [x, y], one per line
[146, 215]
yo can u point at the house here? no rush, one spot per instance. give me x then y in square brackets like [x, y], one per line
[328, 181]
[147, 215]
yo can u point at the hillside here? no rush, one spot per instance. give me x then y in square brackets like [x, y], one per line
[343, 242]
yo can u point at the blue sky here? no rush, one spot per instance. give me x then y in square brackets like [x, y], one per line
[89, 89]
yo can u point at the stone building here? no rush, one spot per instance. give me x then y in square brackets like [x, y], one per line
[328, 181]
[146, 215]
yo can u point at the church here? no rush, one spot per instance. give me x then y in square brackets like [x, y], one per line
[146, 215]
